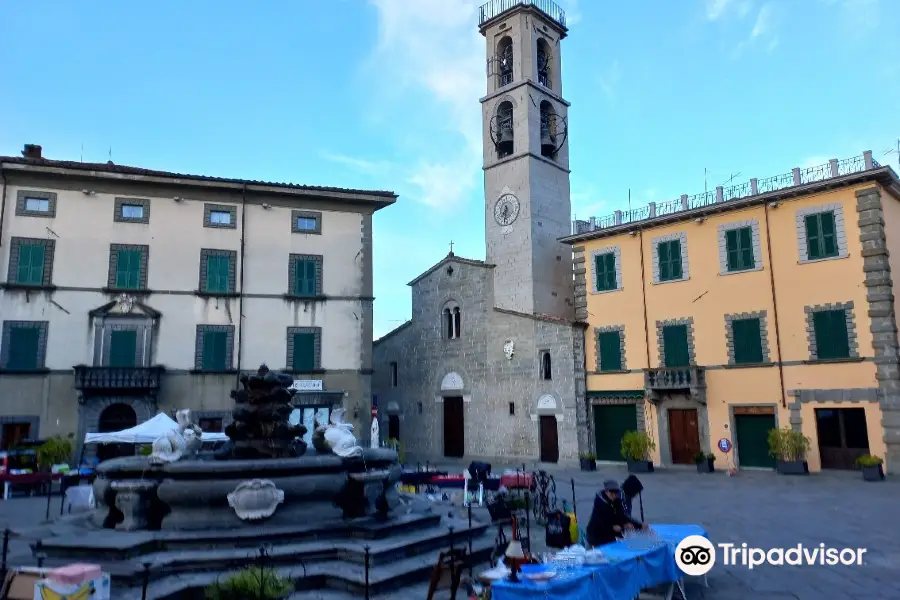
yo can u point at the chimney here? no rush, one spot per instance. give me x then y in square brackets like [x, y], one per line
[32, 151]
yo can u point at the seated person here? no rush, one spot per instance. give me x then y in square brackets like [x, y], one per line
[609, 517]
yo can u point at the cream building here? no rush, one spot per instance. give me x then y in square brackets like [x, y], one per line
[128, 291]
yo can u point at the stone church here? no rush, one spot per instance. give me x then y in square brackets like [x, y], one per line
[491, 364]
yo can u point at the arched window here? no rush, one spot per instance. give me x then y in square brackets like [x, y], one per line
[504, 129]
[451, 321]
[549, 128]
[546, 366]
[544, 58]
[504, 62]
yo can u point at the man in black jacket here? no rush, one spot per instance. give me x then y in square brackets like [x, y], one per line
[609, 517]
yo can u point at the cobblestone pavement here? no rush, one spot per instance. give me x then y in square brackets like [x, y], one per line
[757, 508]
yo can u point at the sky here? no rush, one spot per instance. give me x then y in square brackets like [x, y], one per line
[667, 97]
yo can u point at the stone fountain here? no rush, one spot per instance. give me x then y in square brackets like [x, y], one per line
[182, 519]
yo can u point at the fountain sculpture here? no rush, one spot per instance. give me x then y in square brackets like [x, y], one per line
[264, 486]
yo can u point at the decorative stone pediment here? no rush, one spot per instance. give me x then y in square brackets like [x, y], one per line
[451, 381]
[125, 305]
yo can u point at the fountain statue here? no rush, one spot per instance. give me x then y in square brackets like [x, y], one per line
[265, 486]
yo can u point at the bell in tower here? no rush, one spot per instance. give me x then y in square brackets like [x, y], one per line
[553, 130]
[502, 132]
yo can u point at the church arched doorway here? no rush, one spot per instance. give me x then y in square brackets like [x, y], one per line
[116, 417]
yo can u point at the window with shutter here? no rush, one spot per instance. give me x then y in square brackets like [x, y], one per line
[821, 237]
[832, 339]
[23, 348]
[746, 336]
[30, 268]
[739, 249]
[304, 352]
[610, 351]
[305, 277]
[215, 351]
[669, 255]
[675, 346]
[123, 348]
[218, 268]
[605, 272]
[128, 269]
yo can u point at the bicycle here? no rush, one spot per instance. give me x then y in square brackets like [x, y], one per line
[543, 496]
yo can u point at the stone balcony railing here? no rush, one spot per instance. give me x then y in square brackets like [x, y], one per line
[754, 187]
[107, 379]
[674, 378]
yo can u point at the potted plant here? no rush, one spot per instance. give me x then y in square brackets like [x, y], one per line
[871, 466]
[588, 461]
[789, 448]
[636, 450]
[55, 450]
[705, 462]
[252, 582]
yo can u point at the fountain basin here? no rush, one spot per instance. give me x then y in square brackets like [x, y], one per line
[191, 495]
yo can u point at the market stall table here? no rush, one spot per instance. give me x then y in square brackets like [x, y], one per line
[628, 572]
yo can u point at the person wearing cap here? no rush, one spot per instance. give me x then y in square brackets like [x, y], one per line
[609, 517]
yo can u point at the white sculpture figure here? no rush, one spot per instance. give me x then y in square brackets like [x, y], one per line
[338, 436]
[375, 442]
[174, 444]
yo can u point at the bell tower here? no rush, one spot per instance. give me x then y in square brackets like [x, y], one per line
[526, 157]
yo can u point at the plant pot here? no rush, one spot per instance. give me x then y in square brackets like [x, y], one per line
[587, 464]
[706, 466]
[792, 467]
[873, 473]
[640, 466]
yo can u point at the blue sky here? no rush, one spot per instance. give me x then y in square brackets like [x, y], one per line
[384, 94]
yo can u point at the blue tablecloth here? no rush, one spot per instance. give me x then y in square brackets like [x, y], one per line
[628, 572]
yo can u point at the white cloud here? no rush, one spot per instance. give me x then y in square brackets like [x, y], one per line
[434, 46]
[763, 33]
[609, 81]
[362, 165]
[719, 9]
[763, 22]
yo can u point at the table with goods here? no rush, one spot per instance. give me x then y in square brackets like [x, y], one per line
[617, 571]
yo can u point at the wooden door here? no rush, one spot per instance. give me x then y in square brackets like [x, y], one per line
[752, 439]
[13, 433]
[684, 435]
[454, 428]
[394, 427]
[843, 436]
[549, 439]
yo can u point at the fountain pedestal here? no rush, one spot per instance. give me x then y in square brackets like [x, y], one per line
[133, 501]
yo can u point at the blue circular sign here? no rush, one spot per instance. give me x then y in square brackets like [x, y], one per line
[725, 445]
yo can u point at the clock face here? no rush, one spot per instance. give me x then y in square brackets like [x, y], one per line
[506, 210]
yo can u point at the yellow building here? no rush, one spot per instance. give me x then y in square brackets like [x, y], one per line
[723, 315]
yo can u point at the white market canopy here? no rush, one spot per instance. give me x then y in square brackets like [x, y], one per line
[146, 433]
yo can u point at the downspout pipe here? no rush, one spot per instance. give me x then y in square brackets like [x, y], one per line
[775, 307]
[644, 299]
[240, 325]
[2, 203]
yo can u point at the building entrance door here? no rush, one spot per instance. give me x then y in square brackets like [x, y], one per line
[454, 428]
[549, 439]
[684, 435]
[843, 436]
[752, 438]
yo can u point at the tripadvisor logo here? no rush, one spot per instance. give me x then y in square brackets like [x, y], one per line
[696, 556]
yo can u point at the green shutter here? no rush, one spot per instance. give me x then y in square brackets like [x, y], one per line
[745, 237]
[669, 254]
[610, 351]
[605, 270]
[821, 236]
[739, 249]
[123, 348]
[305, 277]
[675, 346]
[731, 247]
[128, 269]
[23, 348]
[30, 270]
[218, 269]
[746, 335]
[304, 358]
[215, 351]
[832, 340]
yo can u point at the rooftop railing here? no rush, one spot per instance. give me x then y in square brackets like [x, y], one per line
[495, 8]
[754, 187]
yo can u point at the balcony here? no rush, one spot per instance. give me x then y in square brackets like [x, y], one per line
[495, 8]
[118, 379]
[677, 379]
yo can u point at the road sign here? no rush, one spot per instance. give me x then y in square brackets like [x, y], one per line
[725, 445]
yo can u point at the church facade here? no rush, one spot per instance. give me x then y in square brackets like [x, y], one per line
[491, 364]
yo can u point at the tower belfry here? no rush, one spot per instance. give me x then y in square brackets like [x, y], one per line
[526, 157]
